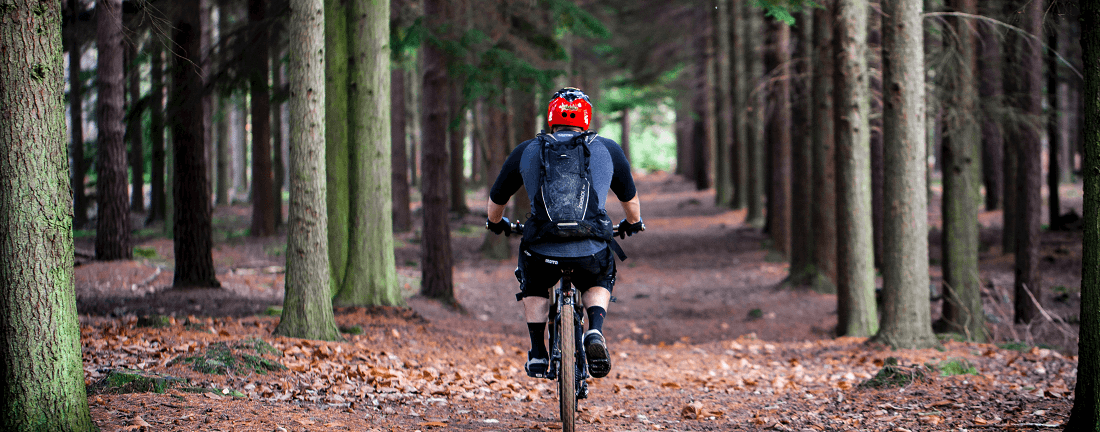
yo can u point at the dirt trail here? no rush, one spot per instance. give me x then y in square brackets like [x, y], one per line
[702, 336]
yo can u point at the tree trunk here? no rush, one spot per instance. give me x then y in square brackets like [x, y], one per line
[723, 178]
[624, 124]
[739, 160]
[878, 155]
[223, 154]
[1013, 76]
[991, 88]
[779, 139]
[962, 306]
[307, 307]
[414, 80]
[40, 357]
[436, 258]
[802, 186]
[336, 139]
[755, 118]
[703, 96]
[371, 278]
[190, 187]
[457, 139]
[158, 197]
[1029, 179]
[263, 178]
[495, 246]
[402, 216]
[824, 147]
[112, 240]
[278, 144]
[906, 319]
[76, 112]
[1054, 116]
[134, 130]
[855, 248]
[1086, 402]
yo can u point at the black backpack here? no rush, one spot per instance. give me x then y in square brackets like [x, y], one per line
[565, 207]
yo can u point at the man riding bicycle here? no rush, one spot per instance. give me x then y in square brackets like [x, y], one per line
[567, 174]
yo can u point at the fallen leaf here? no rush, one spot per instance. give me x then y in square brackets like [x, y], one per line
[692, 411]
[433, 424]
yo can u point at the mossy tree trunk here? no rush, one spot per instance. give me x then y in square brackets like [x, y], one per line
[40, 358]
[801, 183]
[962, 307]
[371, 276]
[855, 248]
[193, 232]
[112, 240]
[1085, 415]
[906, 319]
[336, 139]
[824, 148]
[307, 307]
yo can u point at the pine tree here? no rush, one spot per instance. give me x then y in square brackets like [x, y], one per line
[112, 240]
[40, 357]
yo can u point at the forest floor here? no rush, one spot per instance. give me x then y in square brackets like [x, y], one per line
[704, 336]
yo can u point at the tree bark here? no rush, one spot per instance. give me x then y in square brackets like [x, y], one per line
[436, 257]
[278, 143]
[1029, 179]
[962, 306]
[190, 187]
[824, 147]
[76, 112]
[1013, 77]
[263, 178]
[40, 358]
[1085, 414]
[779, 140]
[371, 278]
[878, 150]
[702, 129]
[134, 129]
[336, 139]
[402, 216]
[991, 88]
[906, 319]
[723, 181]
[222, 153]
[112, 240]
[1054, 115]
[624, 124]
[755, 118]
[739, 159]
[495, 246]
[457, 140]
[158, 202]
[801, 183]
[307, 307]
[855, 248]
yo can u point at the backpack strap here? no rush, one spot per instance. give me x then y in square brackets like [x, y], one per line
[618, 250]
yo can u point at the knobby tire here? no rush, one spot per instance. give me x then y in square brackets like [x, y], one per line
[567, 376]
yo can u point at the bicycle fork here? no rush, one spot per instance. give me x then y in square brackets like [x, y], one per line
[568, 305]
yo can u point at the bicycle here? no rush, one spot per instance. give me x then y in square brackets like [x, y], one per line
[565, 350]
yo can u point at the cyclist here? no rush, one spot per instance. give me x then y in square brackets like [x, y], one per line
[588, 252]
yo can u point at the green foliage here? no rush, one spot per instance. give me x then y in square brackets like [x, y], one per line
[273, 311]
[355, 330]
[783, 10]
[957, 366]
[894, 375]
[1015, 346]
[756, 314]
[154, 321]
[143, 252]
[133, 381]
[220, 359]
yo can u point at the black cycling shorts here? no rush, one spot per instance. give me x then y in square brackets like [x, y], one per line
[537, 273]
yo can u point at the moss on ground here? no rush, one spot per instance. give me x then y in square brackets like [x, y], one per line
[133, 381]
[221, 358]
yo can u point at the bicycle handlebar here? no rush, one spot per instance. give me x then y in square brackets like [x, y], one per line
[517, 228]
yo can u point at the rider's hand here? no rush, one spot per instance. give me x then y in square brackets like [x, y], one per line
[629, 229]
[504, 226]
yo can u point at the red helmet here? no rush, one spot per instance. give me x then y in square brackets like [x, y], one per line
[569, 107]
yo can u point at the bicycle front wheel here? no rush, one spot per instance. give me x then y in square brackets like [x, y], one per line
[567, 373]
